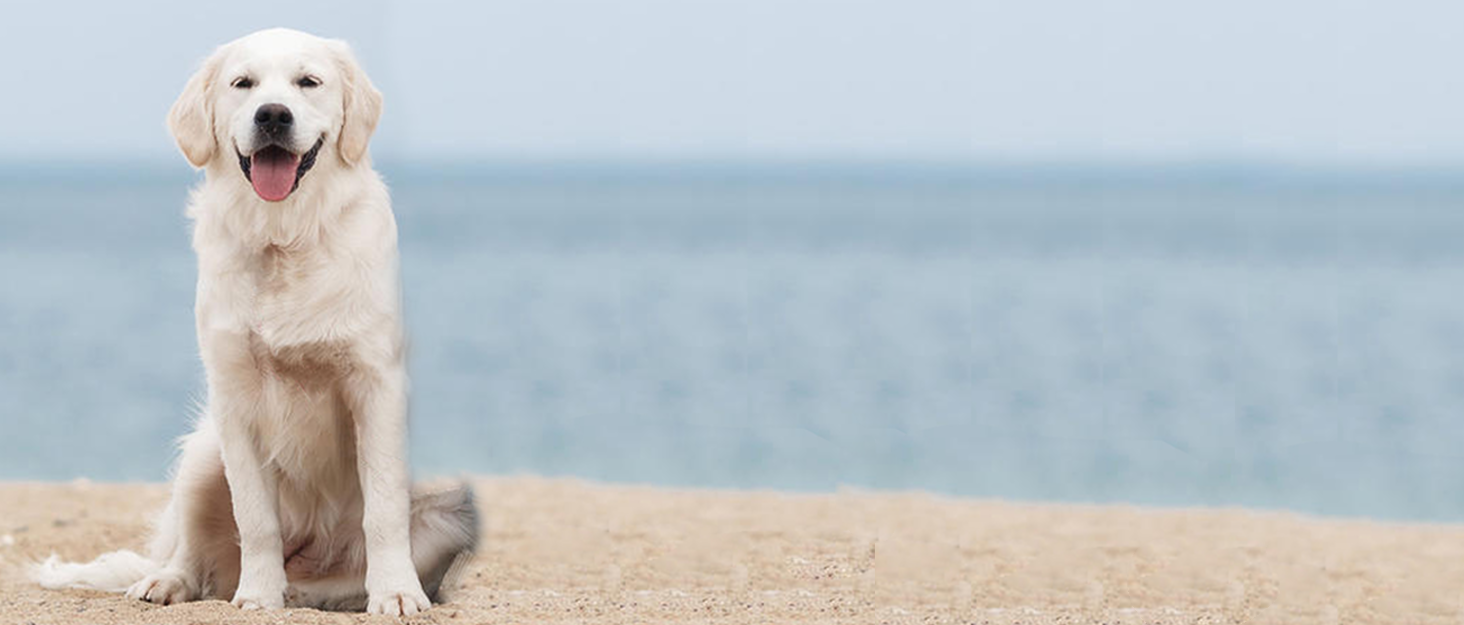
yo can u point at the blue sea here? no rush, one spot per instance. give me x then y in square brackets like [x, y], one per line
[1208, 336]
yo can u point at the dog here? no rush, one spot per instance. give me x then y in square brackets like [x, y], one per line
[294, 488]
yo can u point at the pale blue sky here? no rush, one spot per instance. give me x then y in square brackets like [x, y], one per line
[1312, 81]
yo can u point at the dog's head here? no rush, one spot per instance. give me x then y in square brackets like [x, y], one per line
[278, 102]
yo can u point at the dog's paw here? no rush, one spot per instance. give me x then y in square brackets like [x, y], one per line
[165, 587]
[252, 599]
[398, 602]
[258, 603]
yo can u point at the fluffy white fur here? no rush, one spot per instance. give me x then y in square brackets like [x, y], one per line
[294, 487]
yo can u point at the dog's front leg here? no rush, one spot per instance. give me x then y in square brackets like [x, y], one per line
[235, 391]
[392, 584]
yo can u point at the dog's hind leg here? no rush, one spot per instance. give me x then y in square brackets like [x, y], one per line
[444, 531]
[196, 540]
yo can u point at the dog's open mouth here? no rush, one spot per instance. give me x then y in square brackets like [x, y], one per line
[275, 171]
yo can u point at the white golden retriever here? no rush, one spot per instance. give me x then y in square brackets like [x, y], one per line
[294, 487]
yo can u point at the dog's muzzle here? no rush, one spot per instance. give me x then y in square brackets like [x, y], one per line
[275, 171]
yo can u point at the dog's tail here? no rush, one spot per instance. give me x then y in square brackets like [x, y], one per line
[110, 572]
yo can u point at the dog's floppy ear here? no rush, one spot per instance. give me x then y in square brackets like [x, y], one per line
[361, 106]
[191, 119]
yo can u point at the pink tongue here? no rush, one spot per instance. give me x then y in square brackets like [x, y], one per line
[273, 173]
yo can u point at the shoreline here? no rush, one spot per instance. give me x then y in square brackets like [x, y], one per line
[565, 550]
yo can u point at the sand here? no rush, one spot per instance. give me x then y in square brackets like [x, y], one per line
[565, 551]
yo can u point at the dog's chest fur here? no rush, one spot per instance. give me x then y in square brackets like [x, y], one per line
[299, 300]
[295, 342]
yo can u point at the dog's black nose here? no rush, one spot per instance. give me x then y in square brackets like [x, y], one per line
[273, 119]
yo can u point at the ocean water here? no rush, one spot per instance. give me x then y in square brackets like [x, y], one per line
[1260, 340]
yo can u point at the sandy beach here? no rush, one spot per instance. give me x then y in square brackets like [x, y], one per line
[565, 551]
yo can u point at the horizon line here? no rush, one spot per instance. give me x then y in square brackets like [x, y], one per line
[974, 170]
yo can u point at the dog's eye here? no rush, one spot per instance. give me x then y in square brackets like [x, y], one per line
[307, 82]
[242, 82]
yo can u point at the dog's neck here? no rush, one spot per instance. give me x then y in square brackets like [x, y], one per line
[298, 222]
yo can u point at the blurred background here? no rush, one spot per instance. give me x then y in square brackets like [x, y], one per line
[1121, 251]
